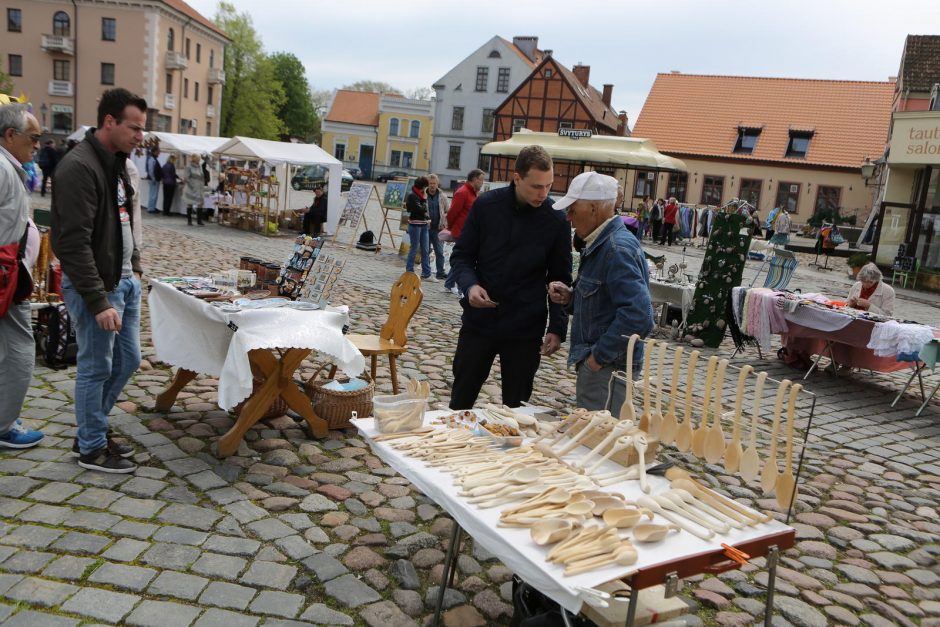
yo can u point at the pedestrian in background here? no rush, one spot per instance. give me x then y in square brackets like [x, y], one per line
[656, 219]
[464, 198]
[155, 174]
[169, 180]
[194, 188]
[643, 215]
[670, 217]
[315, 215]
[438, 204]
[416, 202]
[48, 158]
[92, 235]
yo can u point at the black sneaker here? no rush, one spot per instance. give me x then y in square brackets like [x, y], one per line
[105, 461]
[114, 447]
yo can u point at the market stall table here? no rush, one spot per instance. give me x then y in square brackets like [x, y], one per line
[674, 293]
[684, 555]
[268, 344]
[928, 359]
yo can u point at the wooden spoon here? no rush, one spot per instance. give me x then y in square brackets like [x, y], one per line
[624, 556]
[700, 504]
[786, 484]
[734, 452]
[517, 478]
[715, 438]
[625, 517]
[652, 532]
[676, 504]
[552, 531]
[627, 410]
[750, 463]
[684, 435]
[620, 443]
[604, 503]
[640, 444]
[647, 357]
[649, 503]
[768, 477]
[595, 420]
[698, 440]
[618, 429]
[682, 479]
[587, 534]
[667, 435]
[656, 418]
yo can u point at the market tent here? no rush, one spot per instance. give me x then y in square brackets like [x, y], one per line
[625, 152]
[287, 154]
[79, 134]
[183, 146]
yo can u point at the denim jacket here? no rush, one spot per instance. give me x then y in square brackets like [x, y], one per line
[611, 299]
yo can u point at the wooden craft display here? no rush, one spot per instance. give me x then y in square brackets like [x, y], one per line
[254, 204]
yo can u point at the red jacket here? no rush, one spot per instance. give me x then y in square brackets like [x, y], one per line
[460, 208]
[670, 213]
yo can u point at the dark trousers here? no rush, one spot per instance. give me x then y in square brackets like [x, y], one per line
[668, 234]
[310, 226]
[656, 229]
[189, 215]
[519, 359]
[169, 193]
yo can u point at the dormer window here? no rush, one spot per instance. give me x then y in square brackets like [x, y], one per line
[747, 140]
[494, 54]
[799, 144]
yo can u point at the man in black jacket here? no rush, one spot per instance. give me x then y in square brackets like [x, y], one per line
[92, 235]
[512, 246]
[48, 158]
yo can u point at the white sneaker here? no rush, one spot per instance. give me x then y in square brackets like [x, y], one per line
[432, 279]
[455, 291]
[447, 289]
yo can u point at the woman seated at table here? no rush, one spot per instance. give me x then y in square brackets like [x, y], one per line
[870, 293]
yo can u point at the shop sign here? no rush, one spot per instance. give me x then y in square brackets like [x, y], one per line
[915, 139]
[574, 133]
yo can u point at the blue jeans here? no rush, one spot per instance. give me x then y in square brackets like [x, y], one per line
[418, 234]
[438, 247]
[106, 360]
[154, 194]
[451, 280]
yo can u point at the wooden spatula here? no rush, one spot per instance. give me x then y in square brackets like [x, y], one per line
[734, 452]
[715, 438]
[684, 435]
[667, 435]
[750, 463]
[698, 440]
[656, 419]
[768, 477]
[627, 411]
[645, 418]
[786, 483]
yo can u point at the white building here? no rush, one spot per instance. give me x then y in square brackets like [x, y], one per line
[466, 98]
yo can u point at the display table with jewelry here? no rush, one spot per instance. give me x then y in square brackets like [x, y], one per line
[252, 346]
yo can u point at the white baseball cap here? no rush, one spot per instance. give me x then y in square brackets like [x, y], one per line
[589, 186]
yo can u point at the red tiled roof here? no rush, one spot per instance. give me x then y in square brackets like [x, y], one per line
[522, 55]
[689, 114]
[592, 99]
[355, 107]
[187, 10]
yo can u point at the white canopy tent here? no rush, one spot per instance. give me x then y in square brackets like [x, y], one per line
[182, 146]
[79, 134]
[282, 155]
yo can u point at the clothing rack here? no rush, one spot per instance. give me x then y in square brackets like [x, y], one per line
[822, 248]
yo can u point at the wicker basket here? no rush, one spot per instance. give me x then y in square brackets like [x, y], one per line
[277, 409]
[336, 407]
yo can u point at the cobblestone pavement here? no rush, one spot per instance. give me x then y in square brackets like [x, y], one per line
[296, 531]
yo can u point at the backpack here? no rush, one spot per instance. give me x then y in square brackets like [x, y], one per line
[367, 241]
[56, 337]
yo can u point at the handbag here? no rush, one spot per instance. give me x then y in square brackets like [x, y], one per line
[15, 281]
[446, 236]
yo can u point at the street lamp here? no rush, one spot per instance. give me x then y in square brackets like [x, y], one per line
[868, 169]
[43, 109]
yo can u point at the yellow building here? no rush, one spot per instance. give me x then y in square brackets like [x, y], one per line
[404, 135]
[349, 130]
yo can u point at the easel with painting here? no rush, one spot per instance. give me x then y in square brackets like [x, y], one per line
[357, 200]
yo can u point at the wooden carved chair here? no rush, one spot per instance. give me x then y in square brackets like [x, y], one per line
[392, 339]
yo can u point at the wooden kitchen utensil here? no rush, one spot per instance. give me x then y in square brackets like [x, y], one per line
[647, 357]
[625, 517]
[627, 411]
[619, 444]
[684, 434]
[697, 531]
[656, 418]
[667, 435]
[750, 463]
[596, 419]
[640, 444]
[698, 440]
[768, 478]
[786, 483]
[623, 556]
[652, 532]
[552, 531]
[734, 451]
[715, 438]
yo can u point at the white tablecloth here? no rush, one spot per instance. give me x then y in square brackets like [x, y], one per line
[673, 293]
[192, 334]
[515, 546]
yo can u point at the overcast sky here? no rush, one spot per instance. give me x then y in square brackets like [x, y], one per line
[412, 43]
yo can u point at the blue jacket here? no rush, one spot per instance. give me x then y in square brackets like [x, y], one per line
[611, 299]
[513, 252]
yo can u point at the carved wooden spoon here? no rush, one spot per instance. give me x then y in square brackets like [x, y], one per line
[627, 411]
[667, 435]
[624, 556]
[698, 440]
[647, 357]
[552, 531]
[715, 438]
[786, 484]
[684, 435]
[652, 532]
[768, 477]
[734, 452]
[656, 419]
[750, 463]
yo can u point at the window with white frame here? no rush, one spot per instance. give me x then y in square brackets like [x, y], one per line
[339, 151]
[393, 127]
[453, 157]
[415, 128]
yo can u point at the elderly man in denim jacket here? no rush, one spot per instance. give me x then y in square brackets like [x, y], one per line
[610, 298]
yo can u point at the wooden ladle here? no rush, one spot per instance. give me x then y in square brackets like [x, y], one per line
[684, 435]
[786, 484]
[623, 556]
[750, 463]
[715, 438]
[604, 503]
[625, 517]
[667, 434]
[552, 531]
[768, 477]
[652, 532]
[656, 418]
[647, 358]
[734, 451]
[698, 440]
[627, 411]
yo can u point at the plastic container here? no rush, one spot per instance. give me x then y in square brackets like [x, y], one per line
[401, 412]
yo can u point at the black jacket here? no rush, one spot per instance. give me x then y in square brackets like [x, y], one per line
[513, 252]
[86, 223]
[417, 207]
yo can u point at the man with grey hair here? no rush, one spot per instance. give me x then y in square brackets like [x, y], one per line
[19, 139]
[610, 298]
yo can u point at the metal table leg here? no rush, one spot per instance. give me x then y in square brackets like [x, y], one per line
[634, 604]
[772, 554]
[927, 399]
[910, 380]
[450, 569]
[828, 349]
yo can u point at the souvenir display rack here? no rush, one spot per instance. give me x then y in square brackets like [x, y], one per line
[254, 205]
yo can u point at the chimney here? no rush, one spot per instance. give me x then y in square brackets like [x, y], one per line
[623, 127]
[583, 73]
[675, 72]
[608, 92]
[527, 44]
[547, 53]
